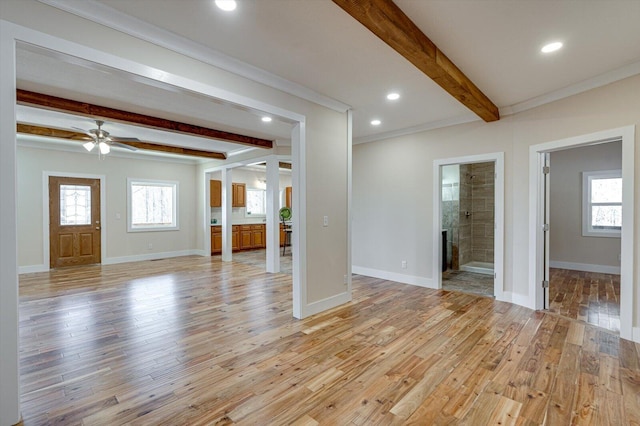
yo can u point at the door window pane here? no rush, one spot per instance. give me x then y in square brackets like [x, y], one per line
[75, 205]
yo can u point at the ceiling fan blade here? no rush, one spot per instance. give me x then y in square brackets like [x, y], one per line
[87, 132]
[124, 145]
[125, 140]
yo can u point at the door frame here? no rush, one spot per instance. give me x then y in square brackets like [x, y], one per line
[536, 214]
[498, 238]
[45, 213]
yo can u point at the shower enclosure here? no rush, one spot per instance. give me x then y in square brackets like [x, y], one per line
[468, 216]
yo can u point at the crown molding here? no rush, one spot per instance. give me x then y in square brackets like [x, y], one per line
[109, 17]
[574, 89]
[461, 119]
[584, 86]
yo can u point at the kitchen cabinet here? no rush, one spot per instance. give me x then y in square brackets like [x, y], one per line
[215, 193]
[283, 235]
[245, 237]
[216, 239]
[288, 200]
[238, 194]
[258, 236]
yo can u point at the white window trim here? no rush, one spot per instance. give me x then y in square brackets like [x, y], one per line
[587, 230]
[154, 228]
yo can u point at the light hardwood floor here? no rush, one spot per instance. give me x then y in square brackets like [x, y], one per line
[590, 297]
[195, 341]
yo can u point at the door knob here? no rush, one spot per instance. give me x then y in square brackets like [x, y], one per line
[97, 227]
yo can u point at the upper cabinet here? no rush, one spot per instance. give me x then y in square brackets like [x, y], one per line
[239, 194]
[238, 190]
[215, 193]
[288, 200]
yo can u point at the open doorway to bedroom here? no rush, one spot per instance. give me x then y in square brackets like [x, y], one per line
[585, 222]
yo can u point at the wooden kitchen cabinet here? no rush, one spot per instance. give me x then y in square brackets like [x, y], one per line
[215, 193]
[216, 239]
[239, 194]
[245, 237]
[258, 236]
[288, 200]
[283, 235]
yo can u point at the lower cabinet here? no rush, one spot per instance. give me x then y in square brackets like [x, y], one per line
[243, 237]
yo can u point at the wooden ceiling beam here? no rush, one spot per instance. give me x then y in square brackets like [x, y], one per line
[281, 165]
[25, 97]
[81, 137]
[387, 21]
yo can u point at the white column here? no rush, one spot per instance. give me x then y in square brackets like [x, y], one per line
[227, 224]
[9, 385]
[273, 207]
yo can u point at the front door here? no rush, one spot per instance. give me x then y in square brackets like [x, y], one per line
[74, 221]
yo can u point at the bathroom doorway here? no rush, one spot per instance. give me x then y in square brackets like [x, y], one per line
[469, 230]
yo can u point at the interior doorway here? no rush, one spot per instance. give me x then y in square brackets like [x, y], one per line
[585, 222]
[74, 221]
[469, 207]
[468, 224]
[538, 291]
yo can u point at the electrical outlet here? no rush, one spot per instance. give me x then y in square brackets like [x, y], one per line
[325, 221]
[345, 278]
[404, 264]
[150, 246]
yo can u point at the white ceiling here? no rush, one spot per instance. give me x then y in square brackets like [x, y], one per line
[315, 44]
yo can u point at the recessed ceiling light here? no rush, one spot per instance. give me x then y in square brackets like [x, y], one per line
[393, 96]
[551, 47]
[267, 119]
[226, 5]
[376, 122]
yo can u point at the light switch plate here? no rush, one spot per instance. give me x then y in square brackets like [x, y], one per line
[325, 221]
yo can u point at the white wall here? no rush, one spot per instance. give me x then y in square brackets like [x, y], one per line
[392, 184]
[567, 245]
[120, 244]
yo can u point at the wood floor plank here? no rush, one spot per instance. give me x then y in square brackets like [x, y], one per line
[199, 341]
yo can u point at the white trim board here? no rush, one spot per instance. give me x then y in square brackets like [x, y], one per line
[603, 269]
[498, 239]
[536, 203]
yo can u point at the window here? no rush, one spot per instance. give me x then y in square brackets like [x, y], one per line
[602, 203]
[153, 205]
[256, 202]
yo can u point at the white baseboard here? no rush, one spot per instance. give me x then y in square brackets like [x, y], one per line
[32, 268]
[394, 276]
[519, 299]
[149, 256]
[603, 269]
[325, 304]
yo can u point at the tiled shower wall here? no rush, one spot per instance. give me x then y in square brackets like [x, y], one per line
[476, 218]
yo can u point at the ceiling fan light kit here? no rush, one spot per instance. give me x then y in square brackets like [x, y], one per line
[102, 139]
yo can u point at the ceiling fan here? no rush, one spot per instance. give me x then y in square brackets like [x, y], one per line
[104, 141]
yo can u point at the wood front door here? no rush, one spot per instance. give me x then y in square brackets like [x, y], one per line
[74, 221]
